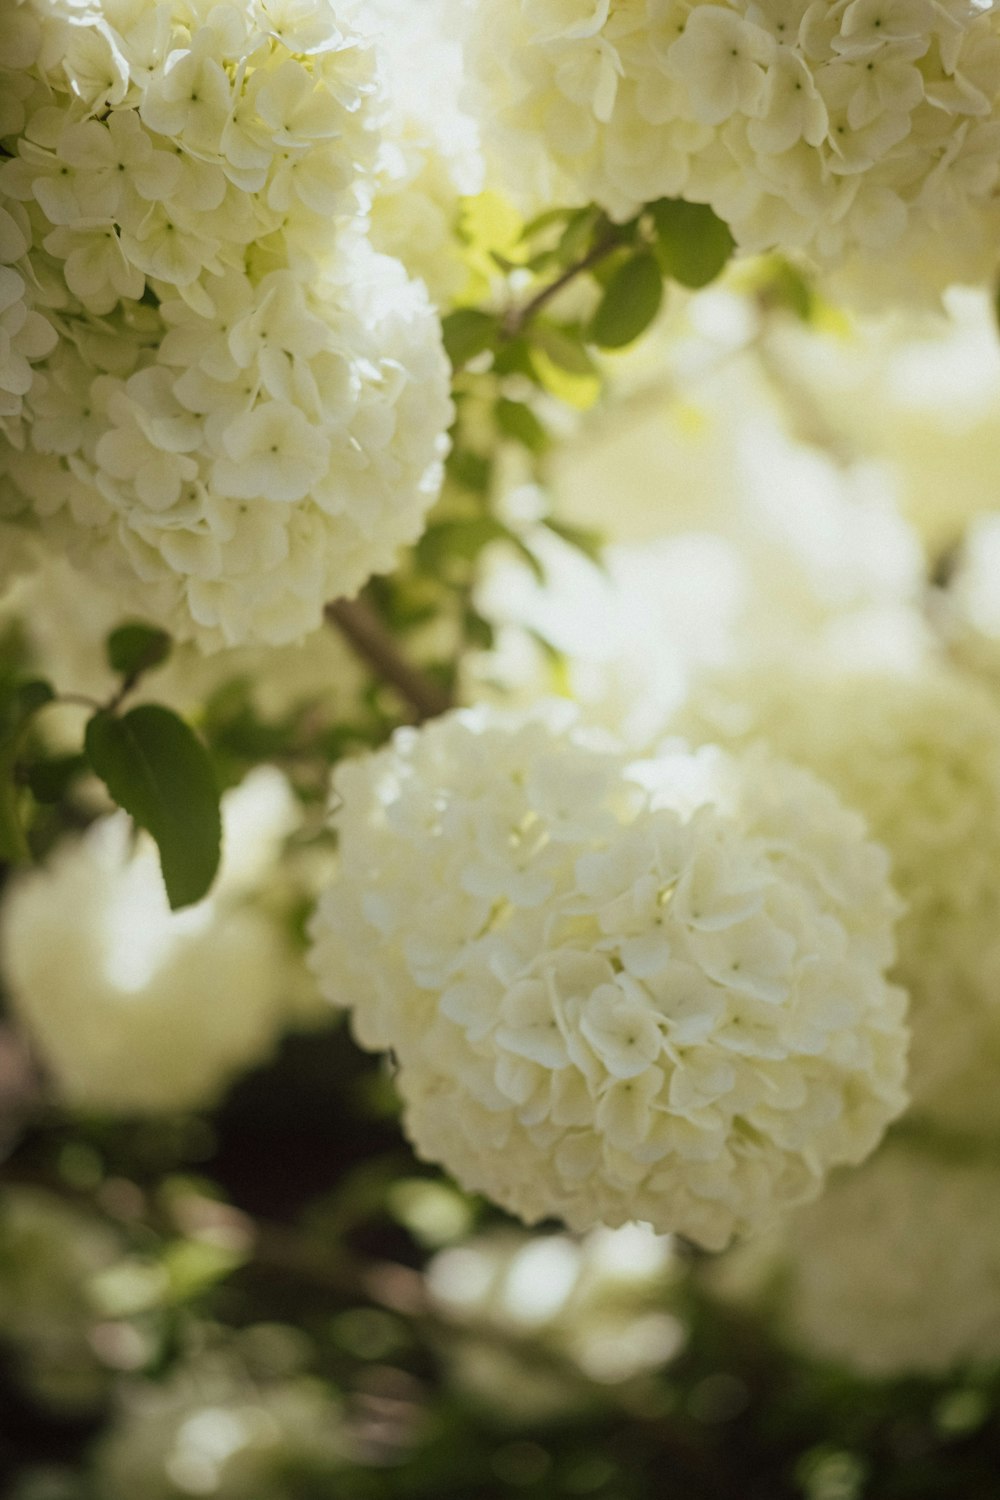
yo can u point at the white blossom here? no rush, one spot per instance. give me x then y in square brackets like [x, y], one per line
[895, 1271]
[919, 757]
[248, 404]
[838, 130]
[615, 990]
[134, 1008]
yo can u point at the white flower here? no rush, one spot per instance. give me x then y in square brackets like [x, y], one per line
[134, 1008]
[894, 1272]
[919, 757]
[549, 1057]
[632, 100]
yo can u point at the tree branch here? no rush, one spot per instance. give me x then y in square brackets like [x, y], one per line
[374, 644]
[518, 318]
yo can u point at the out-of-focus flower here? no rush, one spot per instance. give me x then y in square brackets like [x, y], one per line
[894, 1271]
[615, 990]
[132, 1007]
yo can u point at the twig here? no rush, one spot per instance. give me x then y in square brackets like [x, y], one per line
[517, 318]
[369, 638]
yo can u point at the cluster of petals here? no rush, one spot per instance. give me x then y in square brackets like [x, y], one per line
[895, 1271]
[919, 757]
[132, 1007]
[832, 128]
[214, 393]
[615, 990]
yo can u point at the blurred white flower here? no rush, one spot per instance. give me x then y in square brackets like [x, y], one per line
[133, 1007]
[895, 1271]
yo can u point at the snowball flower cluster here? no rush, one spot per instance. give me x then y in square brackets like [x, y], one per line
[895, 1271]
[831, 128]
[238, 408]
[135, 1008]
[919, 758]
[615, 990]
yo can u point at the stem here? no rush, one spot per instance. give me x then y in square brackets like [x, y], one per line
[518, 318]
[374, 644]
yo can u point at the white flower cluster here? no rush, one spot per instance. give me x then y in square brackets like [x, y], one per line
[894, 1271]
[135, 1008]
[429, 158]
[218, 1427]
[919, 758]
[238, 408]
[615, 990]
[831, 128]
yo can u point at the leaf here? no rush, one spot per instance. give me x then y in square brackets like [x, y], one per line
[467, 332]
[157, 769]
[564, 348]
[135, 648]
[519, 422]
[14, 848]
[590, 543]
[31, 696]
[48, 780]
[630, 302]
[692, 243]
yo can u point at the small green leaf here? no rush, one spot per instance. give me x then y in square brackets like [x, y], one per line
[564, 348]
[31, 696]
[590, 543]
[48, 779]
[692, 243]
[135, 648]
[13, 843]
[467, 332]
[157, 769]
[519, 422]
[630, 302]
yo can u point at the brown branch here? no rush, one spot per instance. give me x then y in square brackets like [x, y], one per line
[375, 645]
[517, 318]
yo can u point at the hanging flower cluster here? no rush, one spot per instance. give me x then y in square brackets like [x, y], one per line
[832, 128]
[218, 396]
[615, 991]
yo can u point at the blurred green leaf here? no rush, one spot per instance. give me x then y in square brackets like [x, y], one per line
[519, 422]
[692, 243]
[563, 347]
[157, 769]
[135, 647]
[467, 332]
[630, 302]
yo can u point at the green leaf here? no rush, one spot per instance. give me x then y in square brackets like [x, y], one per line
[519, 422]
[135, 648]
[692, 243]
[31, 696]
[48, 779]
[467, 332]
[630, 302]
[14, 848]
[157, 769]
[590, 543]
[564, 348]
